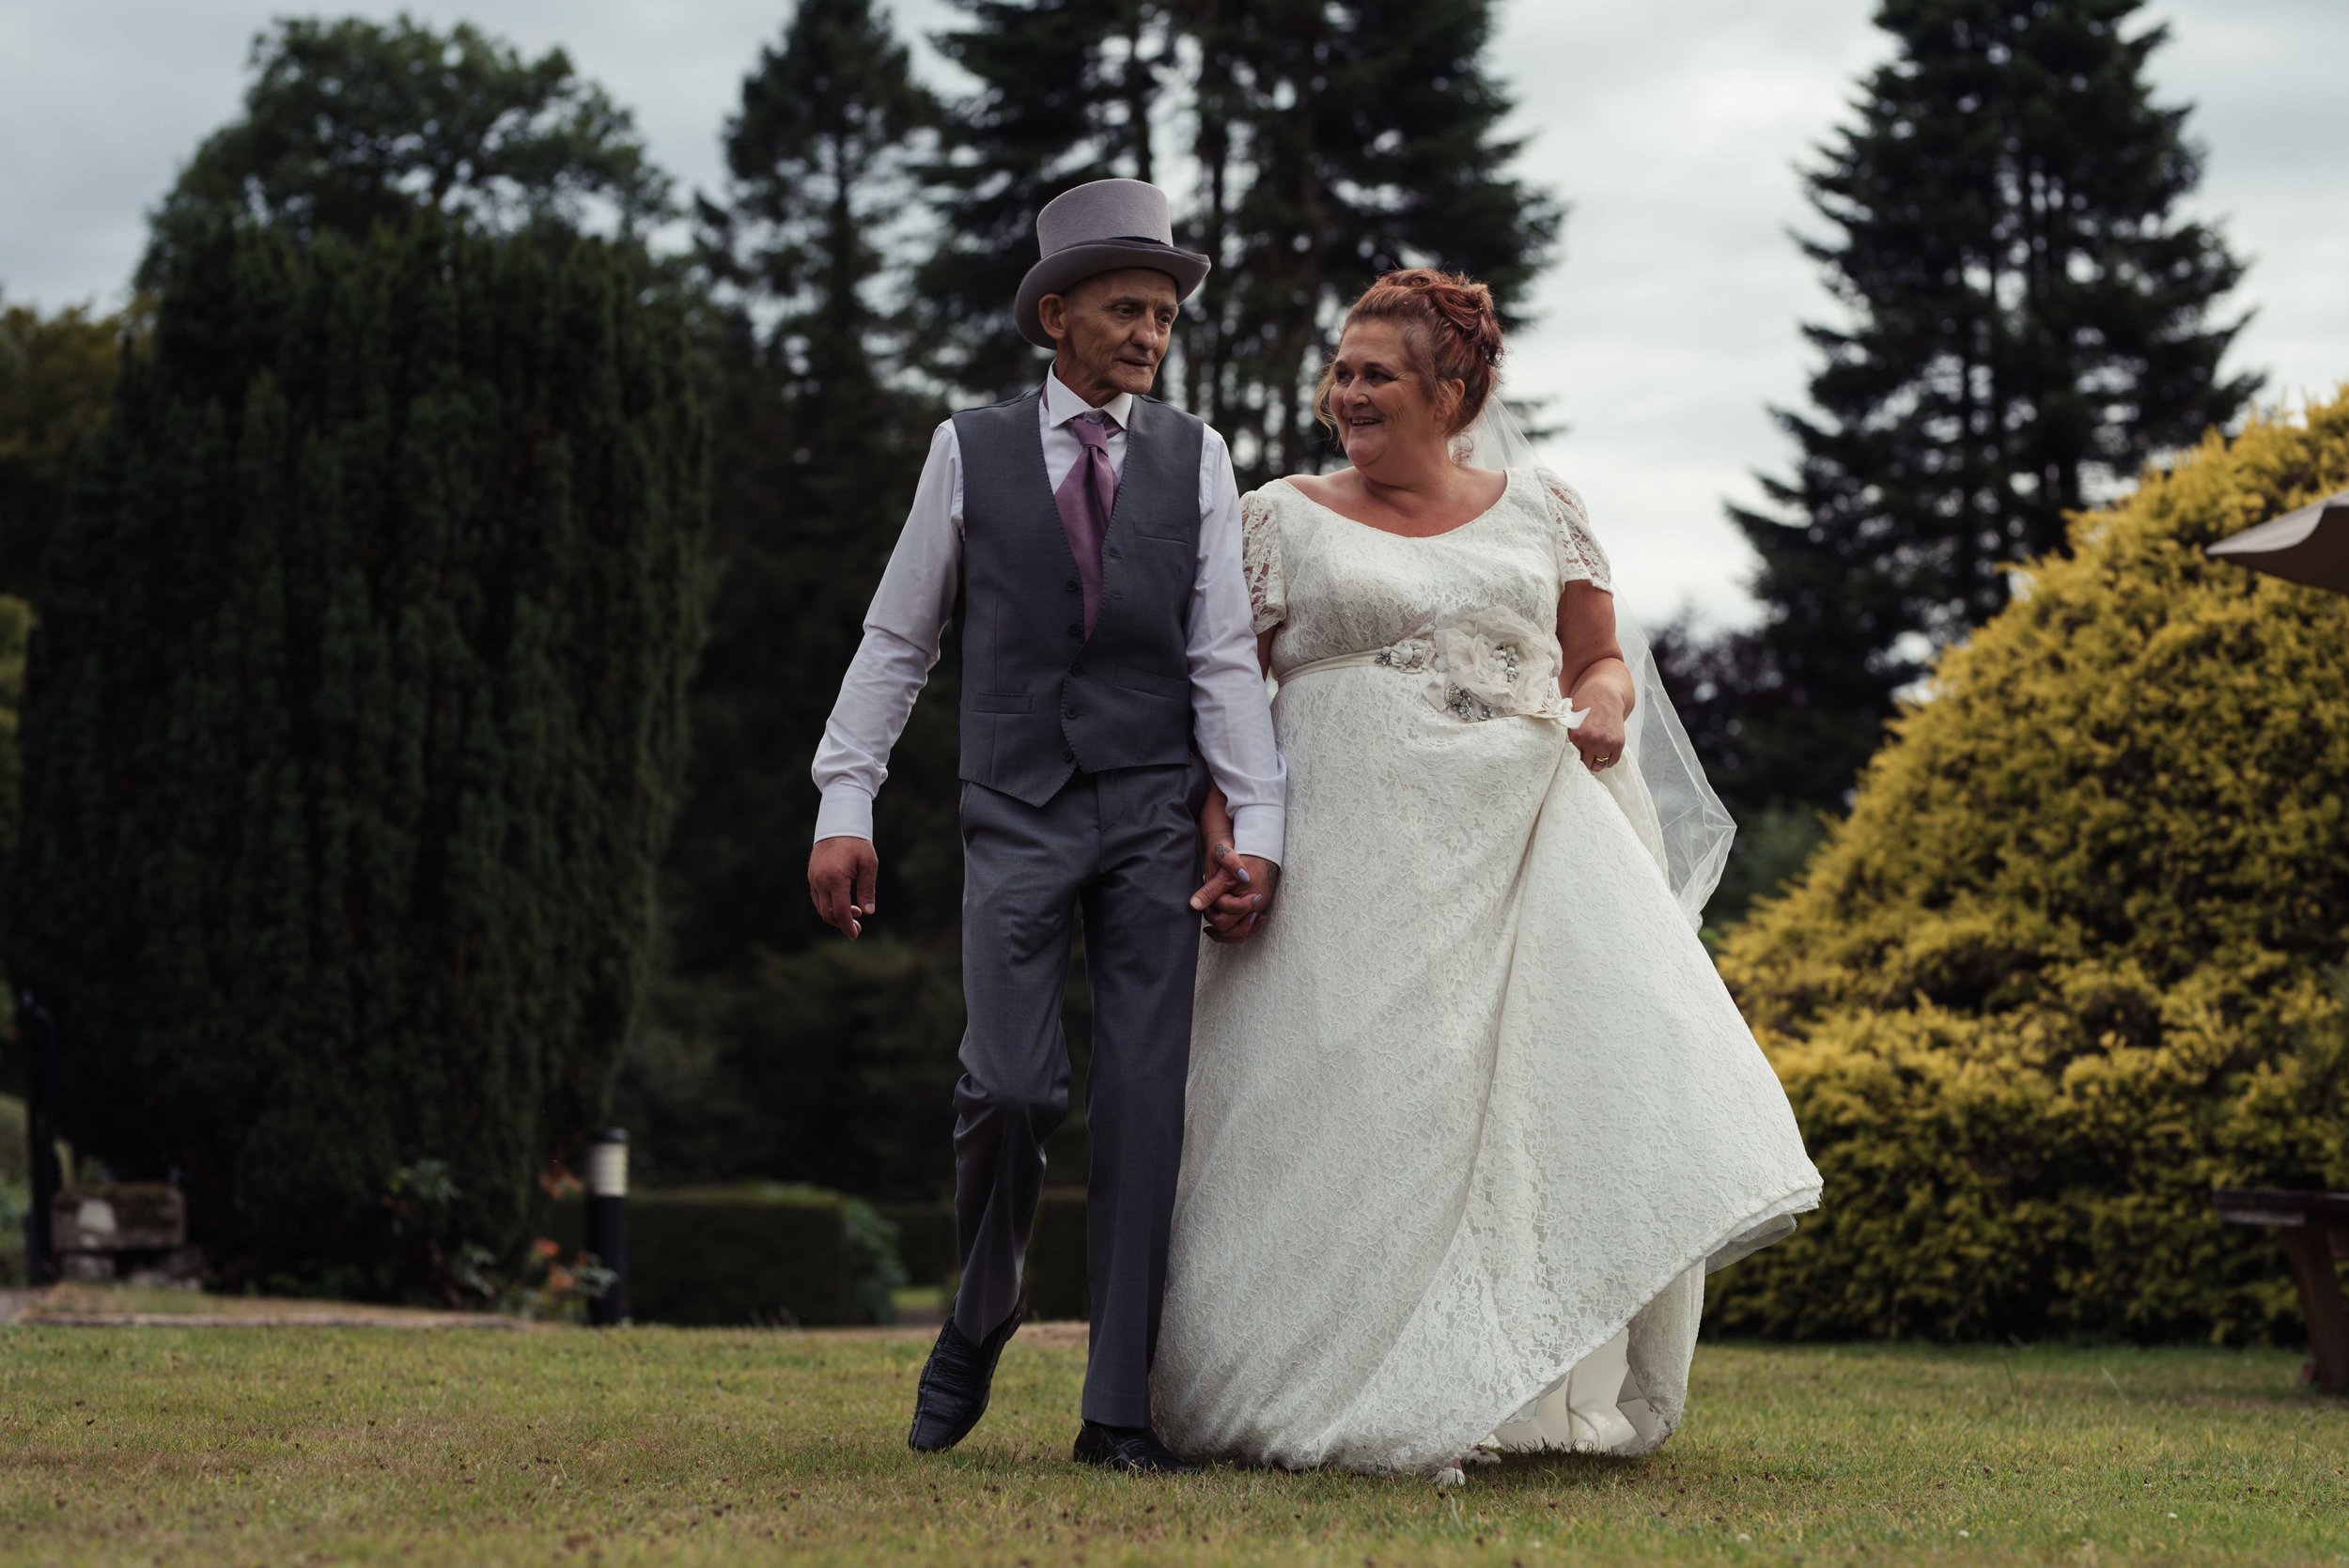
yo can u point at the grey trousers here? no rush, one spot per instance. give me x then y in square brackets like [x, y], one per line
[1122, 849]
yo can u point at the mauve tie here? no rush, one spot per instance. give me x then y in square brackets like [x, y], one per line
[1085, 499]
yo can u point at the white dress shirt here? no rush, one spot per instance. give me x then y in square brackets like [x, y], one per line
[1231, 723]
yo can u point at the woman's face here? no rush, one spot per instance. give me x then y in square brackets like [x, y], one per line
[1382, 405]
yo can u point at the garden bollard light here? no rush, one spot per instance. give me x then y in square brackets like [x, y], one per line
[607, 1224]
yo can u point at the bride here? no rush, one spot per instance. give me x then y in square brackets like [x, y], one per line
[1470, 1113]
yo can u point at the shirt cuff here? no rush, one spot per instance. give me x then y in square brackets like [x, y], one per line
[848, 812]
[1259, 830]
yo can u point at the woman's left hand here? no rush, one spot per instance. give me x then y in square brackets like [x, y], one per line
[1592, 674]
[1599, 736]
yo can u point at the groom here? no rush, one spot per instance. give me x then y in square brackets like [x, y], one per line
[1085, 539]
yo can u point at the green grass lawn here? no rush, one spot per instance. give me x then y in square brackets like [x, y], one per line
[279, 1445]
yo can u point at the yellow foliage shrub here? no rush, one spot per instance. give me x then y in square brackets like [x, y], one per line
[2070, 963]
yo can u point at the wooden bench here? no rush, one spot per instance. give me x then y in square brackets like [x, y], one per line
[2315, 1228]
[133, 1230]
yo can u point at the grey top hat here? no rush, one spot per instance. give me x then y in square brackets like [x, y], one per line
[1100, 227]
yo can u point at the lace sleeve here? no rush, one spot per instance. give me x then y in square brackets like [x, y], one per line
[1260, 559]
[1580, 559]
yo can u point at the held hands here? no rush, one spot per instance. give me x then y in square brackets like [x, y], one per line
[843, 875]
[1237, 896]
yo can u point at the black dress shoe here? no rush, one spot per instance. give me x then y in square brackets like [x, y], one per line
[1136, 1449]
[952, 1395]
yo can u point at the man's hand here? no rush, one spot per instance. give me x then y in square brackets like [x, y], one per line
[843, 877]
[1238, 894]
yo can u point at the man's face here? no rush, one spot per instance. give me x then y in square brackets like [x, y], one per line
[1111, 332]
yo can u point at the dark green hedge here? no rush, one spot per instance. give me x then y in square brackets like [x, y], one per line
[1056, 1251]
[16, 1144]
[752, 1254]
[925, 1240]
[1056, 1257]
[357, 697]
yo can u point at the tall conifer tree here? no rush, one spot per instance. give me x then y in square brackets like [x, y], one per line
[1331, 142]
[2030, 321]
[360, 716]
[16, 630]
[57, 385]
[762, 1062]
[1067, 91]
[1364, 137]
[821, 469]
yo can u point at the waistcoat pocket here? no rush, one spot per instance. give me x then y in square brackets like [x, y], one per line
[1143, 680]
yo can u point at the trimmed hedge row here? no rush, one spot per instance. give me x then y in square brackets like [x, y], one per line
[926, 1239]
[1056, 1251]
[16, 1189]
[759, 1253]
[16, 1140]
[1056, 1258]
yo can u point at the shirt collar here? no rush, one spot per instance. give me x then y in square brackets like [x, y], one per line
[1062, 405]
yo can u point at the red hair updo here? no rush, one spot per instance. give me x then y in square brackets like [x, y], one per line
[1450, 327]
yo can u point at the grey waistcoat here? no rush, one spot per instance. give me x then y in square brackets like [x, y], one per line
[1041, 699]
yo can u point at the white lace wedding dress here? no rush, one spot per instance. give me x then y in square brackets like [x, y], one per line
[1470, 1116]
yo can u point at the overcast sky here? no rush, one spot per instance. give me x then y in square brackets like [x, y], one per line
[1672, 128]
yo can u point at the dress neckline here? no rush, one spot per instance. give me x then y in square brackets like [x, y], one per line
[1508, 483]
